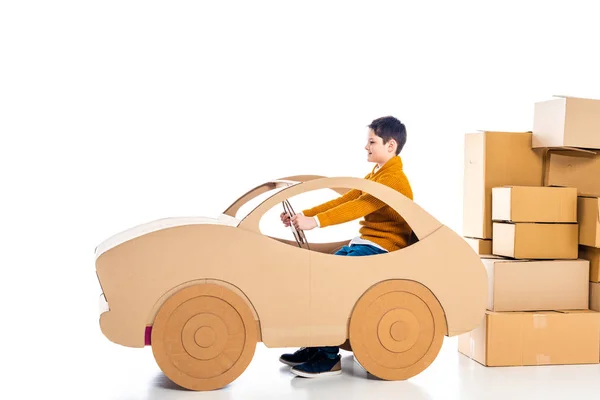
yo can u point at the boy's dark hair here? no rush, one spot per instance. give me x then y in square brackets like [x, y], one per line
[390, 128]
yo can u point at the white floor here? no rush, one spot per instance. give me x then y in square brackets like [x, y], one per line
[106, 371]
[52, 347]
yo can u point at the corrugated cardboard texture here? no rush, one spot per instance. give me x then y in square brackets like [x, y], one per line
[595, 296]
[588, 216]
[494, 159]
[592, 254]
[481, 246]
[574, 169]
[534, 204]
[567, 122]
[532, 338]
[519, 285]
[535, 241]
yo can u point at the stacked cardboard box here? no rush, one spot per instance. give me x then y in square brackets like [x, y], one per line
[532, 211]
[589, 240]
[569, 130]
[494, 159]
[535, 222]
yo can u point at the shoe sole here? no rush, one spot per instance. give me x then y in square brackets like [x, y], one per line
[291, 364]
[316, 375]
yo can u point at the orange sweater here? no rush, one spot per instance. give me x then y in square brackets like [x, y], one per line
[382, 225]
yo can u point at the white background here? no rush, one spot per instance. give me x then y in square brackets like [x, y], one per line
[116, 113]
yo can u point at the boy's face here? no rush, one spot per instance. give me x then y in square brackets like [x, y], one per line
[376, 150]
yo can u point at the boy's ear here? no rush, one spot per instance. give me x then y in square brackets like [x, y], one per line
[392, 145]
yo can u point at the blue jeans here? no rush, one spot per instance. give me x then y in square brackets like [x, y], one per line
[355, 250]
[359, 250]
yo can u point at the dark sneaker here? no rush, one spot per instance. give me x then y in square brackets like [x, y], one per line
[299, 357]
[320, 366]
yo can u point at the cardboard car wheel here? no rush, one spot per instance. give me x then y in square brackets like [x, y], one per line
[204, 337]
[397, 329]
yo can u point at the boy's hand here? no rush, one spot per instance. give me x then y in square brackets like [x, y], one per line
[303, 223]
[285, 218]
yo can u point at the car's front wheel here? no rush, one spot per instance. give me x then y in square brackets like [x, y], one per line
[397, 329]
[204, 337]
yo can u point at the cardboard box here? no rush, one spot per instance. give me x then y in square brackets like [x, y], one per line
[595, 296]
[493, 159]
[534, 338]
[567, 122]
[592, 254]
[588, 217]
[576, 169]
[535, 241]
[517, 285]
[481, 246]
[534, 204]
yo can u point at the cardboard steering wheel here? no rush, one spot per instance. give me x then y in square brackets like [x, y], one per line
[298, 233]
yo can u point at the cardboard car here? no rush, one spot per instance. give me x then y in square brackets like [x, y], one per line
[202, 292]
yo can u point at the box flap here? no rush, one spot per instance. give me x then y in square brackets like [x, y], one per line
[490, 257]
[577, 312]
[572, 150]
[562, 96]
[499, 259]
[488, 131]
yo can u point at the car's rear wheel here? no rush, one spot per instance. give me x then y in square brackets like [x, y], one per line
[204, 337]
[397, 329]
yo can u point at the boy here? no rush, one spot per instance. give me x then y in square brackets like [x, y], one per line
[383, 230]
